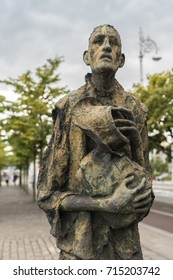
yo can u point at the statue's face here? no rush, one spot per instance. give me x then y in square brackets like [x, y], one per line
[104, 52]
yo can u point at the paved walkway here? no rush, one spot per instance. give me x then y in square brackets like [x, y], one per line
[24, 231]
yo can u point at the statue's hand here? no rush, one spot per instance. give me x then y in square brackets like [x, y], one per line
[124, 121]
[122, 113]
[125, 200]
[129, 130]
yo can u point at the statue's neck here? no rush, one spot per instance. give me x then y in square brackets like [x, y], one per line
[102, 81]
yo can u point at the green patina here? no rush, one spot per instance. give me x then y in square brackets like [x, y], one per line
[104, 28]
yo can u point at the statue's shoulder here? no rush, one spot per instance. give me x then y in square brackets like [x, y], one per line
[130, 101]
[134, 104]
[71, 98]
[68, 101]
[138, 108]
[143, 107]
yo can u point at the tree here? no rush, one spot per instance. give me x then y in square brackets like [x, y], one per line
[3, 144]
[3, 155]
[157, 95]
[159, 166]
[29, 122]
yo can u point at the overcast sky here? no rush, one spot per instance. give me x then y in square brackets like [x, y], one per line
[35, 30]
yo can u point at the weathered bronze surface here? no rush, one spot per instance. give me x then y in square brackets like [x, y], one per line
[95, 181]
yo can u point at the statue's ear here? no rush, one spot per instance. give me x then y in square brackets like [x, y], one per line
[86, 58]
[122, 60]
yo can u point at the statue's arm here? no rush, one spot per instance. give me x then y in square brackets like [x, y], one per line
[54, 166]
[142, 154]
[121, 220]
[123, 200]
[144, 136]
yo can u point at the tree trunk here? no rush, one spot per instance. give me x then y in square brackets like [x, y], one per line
[20, 177]
[34, 176]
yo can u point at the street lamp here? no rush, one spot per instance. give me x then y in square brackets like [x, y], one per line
[146, 45]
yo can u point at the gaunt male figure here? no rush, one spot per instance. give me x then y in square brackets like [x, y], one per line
[95, 183]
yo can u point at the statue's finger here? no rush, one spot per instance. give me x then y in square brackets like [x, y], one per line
[129, 179]
[143, 196]
[141, 210]
[140, 186]
[125, 112]
[143, 203]
[124, 122]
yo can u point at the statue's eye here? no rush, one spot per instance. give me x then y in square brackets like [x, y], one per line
[113, 41]
[98, 40]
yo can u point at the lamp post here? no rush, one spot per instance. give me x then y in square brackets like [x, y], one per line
[146, 45]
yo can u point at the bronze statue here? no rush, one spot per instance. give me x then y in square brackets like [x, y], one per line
[95, 180]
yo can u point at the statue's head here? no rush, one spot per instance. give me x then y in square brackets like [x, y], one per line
[104, 50]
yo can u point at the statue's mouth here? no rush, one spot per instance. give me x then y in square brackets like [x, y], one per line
[107, 57]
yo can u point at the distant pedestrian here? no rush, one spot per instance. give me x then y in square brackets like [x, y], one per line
[7, 180]
[14, 179]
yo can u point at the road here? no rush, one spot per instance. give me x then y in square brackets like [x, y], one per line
[161, 214]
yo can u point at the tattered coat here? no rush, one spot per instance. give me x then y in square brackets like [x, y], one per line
[68, 163]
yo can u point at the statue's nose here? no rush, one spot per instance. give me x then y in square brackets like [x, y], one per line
[106, 45]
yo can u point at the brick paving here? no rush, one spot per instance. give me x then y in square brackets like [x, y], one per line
[24, 231]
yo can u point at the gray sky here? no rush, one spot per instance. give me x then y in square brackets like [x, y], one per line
[35, 30]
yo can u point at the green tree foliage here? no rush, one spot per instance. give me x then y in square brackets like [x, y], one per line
[4, 159]
[158, 96]
[158, 166]
[3, 154]
[28, 120]
[3, 144]
[2, 106]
